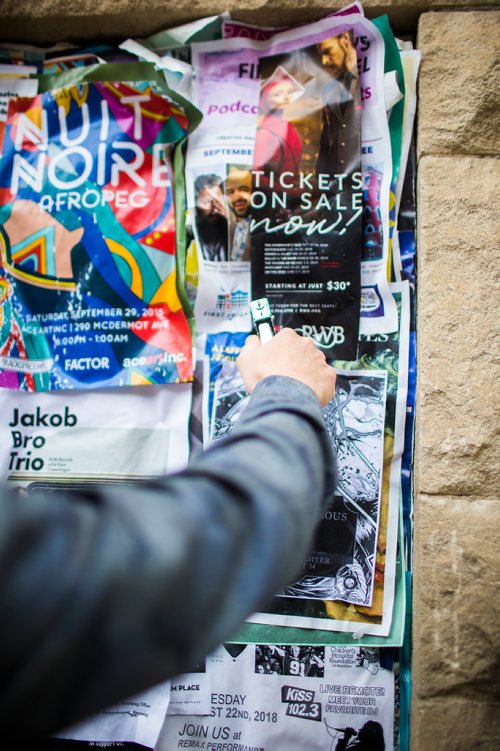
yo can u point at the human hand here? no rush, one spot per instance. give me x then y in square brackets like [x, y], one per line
[211, 202]
[287, 354]
[220, 206]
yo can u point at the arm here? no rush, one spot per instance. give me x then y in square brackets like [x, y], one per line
[107, 592]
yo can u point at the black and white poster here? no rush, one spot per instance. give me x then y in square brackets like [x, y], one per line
[341, 564]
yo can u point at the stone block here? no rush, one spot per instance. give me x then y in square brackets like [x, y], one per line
[456, 442]
[459, 86]
[49, 21]
[456, 614]
[451, 724]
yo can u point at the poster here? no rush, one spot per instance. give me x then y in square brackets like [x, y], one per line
[230, 399]
[307, 195]
[87, 238]
[220, 349]
[53, 440]
[272, 697]
[378, 313]
[14, 81]
[229, 74]
[190, 693]
[387, 352]
[218, 186]
[407, 246]
[341, 563]
[405, 188]
[137, 719]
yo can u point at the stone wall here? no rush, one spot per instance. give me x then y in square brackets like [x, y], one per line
[456, 610]
[456, 655]
[48, 21]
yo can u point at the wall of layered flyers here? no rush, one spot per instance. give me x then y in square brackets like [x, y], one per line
[147, 192]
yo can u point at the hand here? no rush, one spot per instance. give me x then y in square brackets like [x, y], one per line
[219, 206]
[287, 354]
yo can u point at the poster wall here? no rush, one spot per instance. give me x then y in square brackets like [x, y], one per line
[287, 195]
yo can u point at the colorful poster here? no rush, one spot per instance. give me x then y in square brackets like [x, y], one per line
[270, 697]
[69, 57]
[87, 237]
[29, 54]
[14, 81]
[307, 194]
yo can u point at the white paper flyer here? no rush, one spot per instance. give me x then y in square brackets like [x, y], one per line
[291, 698]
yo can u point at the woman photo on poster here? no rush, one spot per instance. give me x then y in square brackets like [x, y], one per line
[278, 147]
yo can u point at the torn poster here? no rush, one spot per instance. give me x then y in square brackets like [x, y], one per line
[341, 563]
[137, 719]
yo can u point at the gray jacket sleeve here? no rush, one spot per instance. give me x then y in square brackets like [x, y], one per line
[107, 591]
